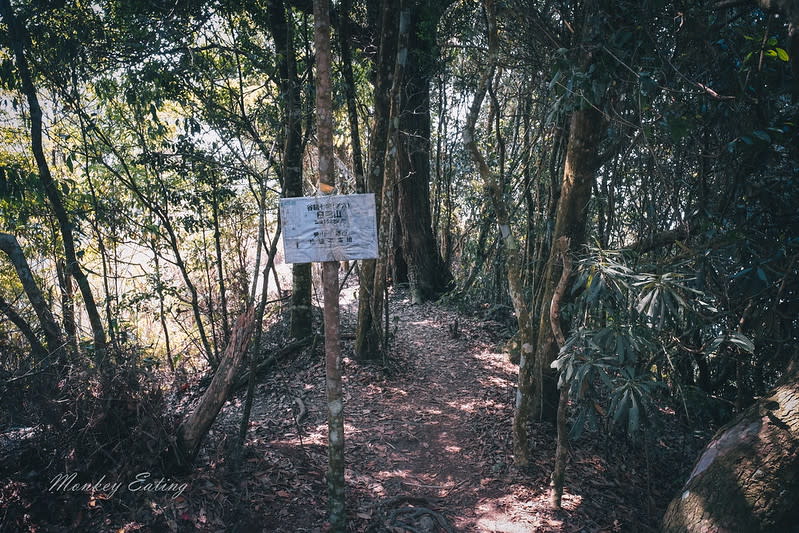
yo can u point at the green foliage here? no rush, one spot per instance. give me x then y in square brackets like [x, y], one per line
[624, 329]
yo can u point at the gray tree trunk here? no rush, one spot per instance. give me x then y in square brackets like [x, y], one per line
[747, 478]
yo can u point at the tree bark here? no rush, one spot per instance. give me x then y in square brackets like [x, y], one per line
[521, 413]
[428, 274]
[746, 478]
[335, 399]
[194, 428]
[582, 158]
[283, 35]
[345, 34]
[52, 333]
[368, 336]
[18, 36]
[559, 471]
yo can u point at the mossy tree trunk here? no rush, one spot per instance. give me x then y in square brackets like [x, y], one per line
[582, 161]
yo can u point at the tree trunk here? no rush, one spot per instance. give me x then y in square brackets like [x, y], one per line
[335, 400]
[38, 350]
[283, 35]
[428, 275]
[159, 289]
[104, 259]
[18, 36]
[746, 478]
[559, 470]
[368, 335]
[521, 414]
[255, 350]
[345, 32]
[386, 226]
[67, 306]
[209, 293]
[582, 156]
[220, 266]
[194, 428]
[52, 333]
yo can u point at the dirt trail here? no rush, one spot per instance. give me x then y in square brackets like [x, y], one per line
[423, 435]
[428, 448]
[433, 434]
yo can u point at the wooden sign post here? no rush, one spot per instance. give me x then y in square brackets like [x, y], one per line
[329, 228]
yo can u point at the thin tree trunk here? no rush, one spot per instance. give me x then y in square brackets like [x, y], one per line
[67, 306]
[37, 348]
[350, 95]
[52, 333]
[255, 349]
[99, 236]
[159, 290]
[17, 38]
[385, 232]
[485, 252]
[260, 199]
[521, 413]
[209, 295]
[559, 471]
[220, 265]
[335, 400]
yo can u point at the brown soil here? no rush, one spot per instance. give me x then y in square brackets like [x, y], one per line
[428, 445]
[428, 449]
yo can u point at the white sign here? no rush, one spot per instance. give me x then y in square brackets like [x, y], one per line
[329, 228]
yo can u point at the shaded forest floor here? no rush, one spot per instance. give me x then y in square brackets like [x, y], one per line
[431, 433]
[428, 445]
